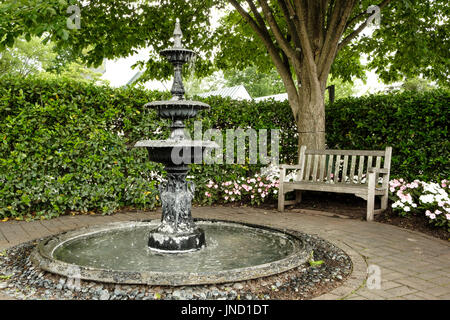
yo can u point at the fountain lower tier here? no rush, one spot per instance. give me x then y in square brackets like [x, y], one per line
[177, 231]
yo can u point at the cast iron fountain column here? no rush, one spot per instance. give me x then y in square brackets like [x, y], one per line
[177, 231]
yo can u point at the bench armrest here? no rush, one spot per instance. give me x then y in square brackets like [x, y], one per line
[378, 170]
[290, 166]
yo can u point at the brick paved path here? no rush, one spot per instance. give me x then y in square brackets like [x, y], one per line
[411, 265]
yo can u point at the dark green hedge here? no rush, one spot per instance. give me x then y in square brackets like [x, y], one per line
[67, 146]
[61, 148]
[414, 124]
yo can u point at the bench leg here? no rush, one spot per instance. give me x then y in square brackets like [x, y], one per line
[281, 190]
[371, 196]
[280, 200]
[298, 196]
[384, 202]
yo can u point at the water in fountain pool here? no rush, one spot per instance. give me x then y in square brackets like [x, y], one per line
[229, 247]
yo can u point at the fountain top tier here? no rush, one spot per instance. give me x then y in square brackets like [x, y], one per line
[177, 108]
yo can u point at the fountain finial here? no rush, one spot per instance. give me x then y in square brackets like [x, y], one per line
[177, 34]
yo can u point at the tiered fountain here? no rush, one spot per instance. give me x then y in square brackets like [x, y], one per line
[177, 231]
[174, 250]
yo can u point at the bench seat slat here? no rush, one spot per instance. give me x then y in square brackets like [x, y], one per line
[330, 166]
[375, 153]
[336, 169]
[330, 187]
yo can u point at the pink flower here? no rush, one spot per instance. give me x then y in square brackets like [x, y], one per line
[447, 216]
[252, 196]
[428, 213]
[437, 212]
[392, 189]
[432, 216]
[226, 197]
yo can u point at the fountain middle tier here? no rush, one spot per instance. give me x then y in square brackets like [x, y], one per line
[177, 109]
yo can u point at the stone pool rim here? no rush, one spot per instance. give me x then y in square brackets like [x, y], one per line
[42, 257]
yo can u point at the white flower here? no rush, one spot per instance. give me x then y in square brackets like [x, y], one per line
[426, 198]
[397, 204]
[406, 209]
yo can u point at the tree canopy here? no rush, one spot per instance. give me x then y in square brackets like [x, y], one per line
[33, 57]
[304, 40]
[118, 28]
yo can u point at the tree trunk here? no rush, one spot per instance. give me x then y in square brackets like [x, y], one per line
[311, 118]
[308, 106]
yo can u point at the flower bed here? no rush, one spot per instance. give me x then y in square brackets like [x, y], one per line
[422, 198]
[416, 198]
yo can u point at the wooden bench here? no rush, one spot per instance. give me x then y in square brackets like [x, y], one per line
[341, 171]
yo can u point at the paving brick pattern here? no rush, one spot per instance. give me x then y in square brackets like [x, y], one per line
[388, 262]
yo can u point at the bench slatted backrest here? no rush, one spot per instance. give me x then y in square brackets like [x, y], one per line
[341, 166]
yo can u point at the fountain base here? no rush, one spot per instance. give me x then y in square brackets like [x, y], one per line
[176, 243]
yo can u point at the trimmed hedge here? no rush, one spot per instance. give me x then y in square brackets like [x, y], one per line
[414, 124]
[61, 151]
[67, 146]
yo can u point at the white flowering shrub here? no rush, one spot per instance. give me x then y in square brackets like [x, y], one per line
[422, 198]
[255, 190]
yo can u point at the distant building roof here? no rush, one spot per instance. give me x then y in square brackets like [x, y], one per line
[134, 78]
[276, 97]
[237, 92]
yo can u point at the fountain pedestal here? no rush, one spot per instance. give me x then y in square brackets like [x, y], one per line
[177, 231]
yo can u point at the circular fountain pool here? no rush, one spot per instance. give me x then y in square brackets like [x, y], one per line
[118, 253]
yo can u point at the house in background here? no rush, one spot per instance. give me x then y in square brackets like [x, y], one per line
[237, 93]
[276, 97]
